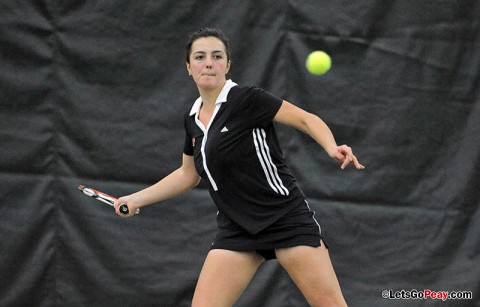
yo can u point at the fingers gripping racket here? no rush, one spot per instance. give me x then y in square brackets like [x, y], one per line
[105, 198]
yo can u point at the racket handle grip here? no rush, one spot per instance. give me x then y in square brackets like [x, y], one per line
[124, 209]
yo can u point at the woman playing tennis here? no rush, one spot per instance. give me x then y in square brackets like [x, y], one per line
[231, 143]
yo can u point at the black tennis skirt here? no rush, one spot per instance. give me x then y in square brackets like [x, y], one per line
[297, 227]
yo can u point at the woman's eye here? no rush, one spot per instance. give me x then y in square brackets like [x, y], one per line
[198, 57]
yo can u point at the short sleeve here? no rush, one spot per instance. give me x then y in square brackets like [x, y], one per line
[188, 146]
[261, 107]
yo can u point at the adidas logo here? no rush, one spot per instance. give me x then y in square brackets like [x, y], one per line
[224, 129]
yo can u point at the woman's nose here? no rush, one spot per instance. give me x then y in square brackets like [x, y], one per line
[208, 62]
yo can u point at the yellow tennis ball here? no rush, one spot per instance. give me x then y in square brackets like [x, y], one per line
[318, 62]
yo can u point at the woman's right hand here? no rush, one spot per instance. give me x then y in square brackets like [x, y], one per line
[129, 202]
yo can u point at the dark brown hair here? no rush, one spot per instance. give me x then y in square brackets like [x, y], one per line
[207, 32]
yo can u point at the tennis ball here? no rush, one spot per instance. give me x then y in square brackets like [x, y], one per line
[318, 62]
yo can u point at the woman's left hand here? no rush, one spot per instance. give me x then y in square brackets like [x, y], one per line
[345, 155]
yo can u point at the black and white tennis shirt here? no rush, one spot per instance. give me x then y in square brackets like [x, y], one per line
[239, 155]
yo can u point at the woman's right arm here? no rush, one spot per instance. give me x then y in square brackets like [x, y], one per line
[178, 182]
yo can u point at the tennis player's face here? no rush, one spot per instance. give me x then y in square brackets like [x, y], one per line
[208, 63]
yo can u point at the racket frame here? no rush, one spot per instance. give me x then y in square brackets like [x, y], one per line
[105, 198]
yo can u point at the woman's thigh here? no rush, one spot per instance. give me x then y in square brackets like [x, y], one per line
[224, 276]
[312, 271]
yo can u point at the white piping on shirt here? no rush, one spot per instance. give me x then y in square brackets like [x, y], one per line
[222, 97]
[204, 142]
[269, 168]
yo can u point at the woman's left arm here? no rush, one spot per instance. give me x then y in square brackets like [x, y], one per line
[316, 128]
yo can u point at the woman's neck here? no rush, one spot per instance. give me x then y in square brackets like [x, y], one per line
[209, 97]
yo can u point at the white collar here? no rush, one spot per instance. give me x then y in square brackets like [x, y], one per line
[222, 97]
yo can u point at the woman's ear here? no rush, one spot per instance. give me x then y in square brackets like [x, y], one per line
[228, 66]
[188, 69]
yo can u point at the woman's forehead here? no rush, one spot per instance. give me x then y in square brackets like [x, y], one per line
[208, 44]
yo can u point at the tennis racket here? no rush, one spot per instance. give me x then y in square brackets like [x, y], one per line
[105, 198]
